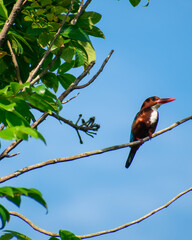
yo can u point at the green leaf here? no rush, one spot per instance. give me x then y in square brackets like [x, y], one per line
[18, 36]
[14, 195]
[16, 87]
[4, 216]
[8, 107]
[3, 10]
[11, 234]
[6, 191]
[65, 67]
[50, 80]
[134, 3]
[79, 57]
[37, 196]
[75, 33]
[39, 89]
[89, 18]
[90, 52]
[20, 132]
[96, 32]
[66, 80]
[68, 53]
[66, 235]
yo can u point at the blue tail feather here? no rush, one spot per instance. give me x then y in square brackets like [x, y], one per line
[130, 157]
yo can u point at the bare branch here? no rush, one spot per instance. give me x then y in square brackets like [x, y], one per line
[106, 231]
[85, 5]
[74, 20]
[19, 215]
[77, 80]
[87, 154]
[89, 127]
[12, 155]
[35, 70]
[140, 219]
[97, 74]
[14, 62]
[10, 21]
[70, 98]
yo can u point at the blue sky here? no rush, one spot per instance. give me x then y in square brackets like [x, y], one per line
[152, 57]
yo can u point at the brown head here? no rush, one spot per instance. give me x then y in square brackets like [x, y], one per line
[155, 102]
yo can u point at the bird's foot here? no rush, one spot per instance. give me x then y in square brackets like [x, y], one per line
[140, 140]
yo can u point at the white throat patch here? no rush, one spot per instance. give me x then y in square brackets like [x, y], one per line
[154, 115]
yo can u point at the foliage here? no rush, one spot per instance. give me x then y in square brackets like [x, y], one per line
[14, 195]
[26, 44]
[30, 36]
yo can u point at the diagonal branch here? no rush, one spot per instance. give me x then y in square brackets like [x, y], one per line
[87, 154]
[106, 231]
[48, 66]
[61, 98]
[10, 21]
[14, 62]
[97, 74]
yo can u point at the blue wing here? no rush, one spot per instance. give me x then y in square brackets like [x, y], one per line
[132, 138]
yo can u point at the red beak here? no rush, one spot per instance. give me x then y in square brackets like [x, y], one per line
[165, 100]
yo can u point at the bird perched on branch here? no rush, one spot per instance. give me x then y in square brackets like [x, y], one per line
[145, 123]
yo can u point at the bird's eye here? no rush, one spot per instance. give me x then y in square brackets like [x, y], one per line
[153, 99]
[147, 100]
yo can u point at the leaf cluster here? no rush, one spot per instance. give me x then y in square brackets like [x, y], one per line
[14, 195]
[30, 36]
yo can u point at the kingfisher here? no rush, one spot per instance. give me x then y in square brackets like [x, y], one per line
[145, 123]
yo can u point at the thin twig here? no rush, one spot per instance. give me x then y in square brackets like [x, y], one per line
[85, 5]
[96, 75]
[77, 80]
[74, 20]
[30, 223]
[70, 98]
[48, 66]
[87, 154]
[10, 21]
[14, 62]
[138, 220]
[12, 155]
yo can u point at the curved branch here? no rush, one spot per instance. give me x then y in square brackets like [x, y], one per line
[138, 220]
[106, 231]
[19, 215]
[87, 154]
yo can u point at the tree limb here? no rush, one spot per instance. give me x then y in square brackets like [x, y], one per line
[10, 21]
[96, 75]
[87, 154]
[140, 219]
[19, 215]
[106, 231]
[61, 98]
